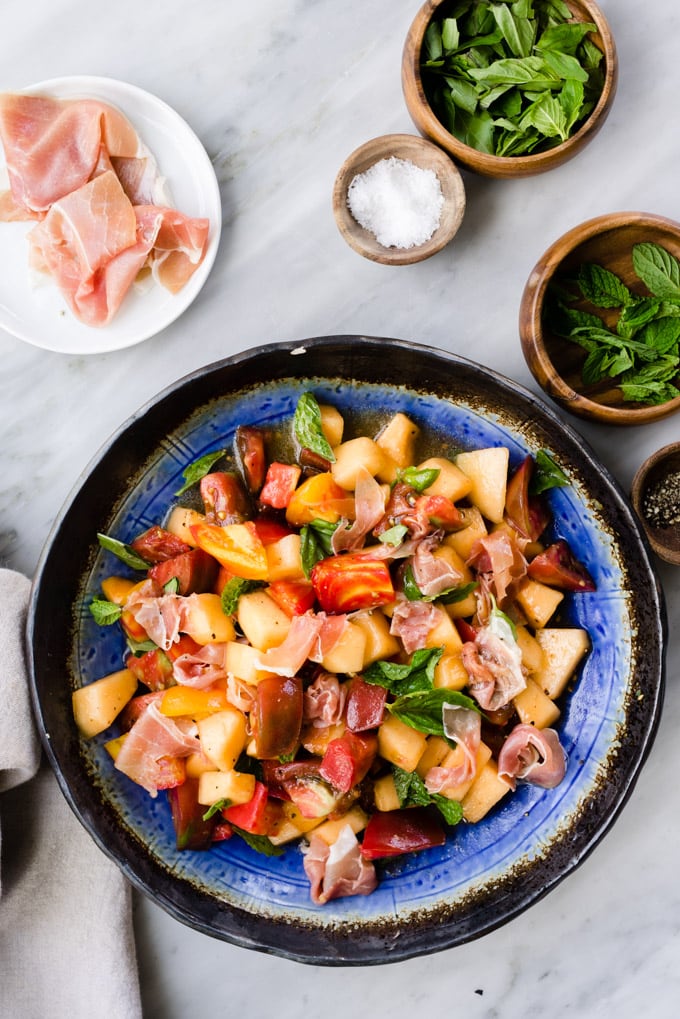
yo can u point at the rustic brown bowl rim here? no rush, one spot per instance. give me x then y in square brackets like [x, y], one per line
[646, 472]
[486, 164]
[421, 152]
[531, 331]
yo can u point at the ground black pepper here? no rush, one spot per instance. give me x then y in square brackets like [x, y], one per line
[661, 503]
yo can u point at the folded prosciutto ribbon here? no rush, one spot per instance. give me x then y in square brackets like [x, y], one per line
[79, 168]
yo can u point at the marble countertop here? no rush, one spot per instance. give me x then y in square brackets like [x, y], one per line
[279, 92]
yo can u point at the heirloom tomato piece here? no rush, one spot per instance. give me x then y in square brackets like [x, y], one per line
[558, 567]
[350, 582]
[195, 571]
[191, 830]
[153, 669]
[258, 816]
[365, 705]
[279, 484]
[439, 511]
[238, 547]
[394, 832]
[224, 498]
[529, 515]
[249, 443]
[295, 597]
[156, 545]
[348, 759]
[319, 498]
[277, 716]
[269, 531]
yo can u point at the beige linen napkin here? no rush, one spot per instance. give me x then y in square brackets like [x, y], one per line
[66, 940]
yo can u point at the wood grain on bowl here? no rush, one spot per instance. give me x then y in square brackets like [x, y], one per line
[555, 362]
[483, 163]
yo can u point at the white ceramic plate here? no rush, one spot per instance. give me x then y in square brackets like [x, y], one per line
[38, 313]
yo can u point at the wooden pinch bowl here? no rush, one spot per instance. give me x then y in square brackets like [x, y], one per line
[421, 153]
[488, 165]
[664, 540]
[556, 362]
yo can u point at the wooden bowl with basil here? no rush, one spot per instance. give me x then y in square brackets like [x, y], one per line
[505, 93]
[599, 319]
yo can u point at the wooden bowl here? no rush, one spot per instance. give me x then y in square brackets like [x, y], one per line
[422, 153]
[429, 125]
[664, 540]
[555, 362]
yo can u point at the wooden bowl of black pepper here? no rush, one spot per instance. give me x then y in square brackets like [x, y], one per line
[411, 155]
[629, 261]
[655, 494]
[452, 103]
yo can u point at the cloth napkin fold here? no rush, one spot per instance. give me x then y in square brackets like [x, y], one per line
[66, 939]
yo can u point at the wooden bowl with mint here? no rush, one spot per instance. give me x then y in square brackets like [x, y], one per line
[509, 89]
[599, 319]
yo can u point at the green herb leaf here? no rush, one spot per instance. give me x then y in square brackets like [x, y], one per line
[422, 710]
[447, 597]
[417, 674]
[658, 270]
[260, 843]
[216, 808]
[232, 591]
[105, 612]
[394, 535]
[546, 474]
[451, 810]
[418, 478]
[603, 288]
[315, 543]
[124, 552]
[171, 586]
[199, 468]
[307, 427]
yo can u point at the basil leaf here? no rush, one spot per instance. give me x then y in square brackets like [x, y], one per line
[546, 474]
[105, 612]
[423, 710]
[418, 478]
[394, 535]
[456, 594]
[232, 591]
[199, 468]
[315, 543]
[307, 427]
[446, 597]
[215, 808]
[124, 552]
[658, 270]
[403, 678]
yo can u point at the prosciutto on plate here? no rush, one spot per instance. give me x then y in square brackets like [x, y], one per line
[80, 169]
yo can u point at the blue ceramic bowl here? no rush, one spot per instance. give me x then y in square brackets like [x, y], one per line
[486, 873]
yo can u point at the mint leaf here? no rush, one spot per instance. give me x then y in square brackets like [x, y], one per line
[315, 543]
[658, 270]
[199, 468]
[394, 535]
[307, 427]
[603, 288]
[422, 710]
[260, 843]
[105, 612]
[124, 552]
[171, 586]
[215, 808]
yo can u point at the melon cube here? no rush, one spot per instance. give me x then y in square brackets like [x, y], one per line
[562, 650]
[264, 624]
[487, 470]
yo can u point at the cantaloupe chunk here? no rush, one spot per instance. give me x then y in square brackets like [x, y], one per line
[180, 522]
[460, 791]
[264, 624]
[485, 792]
[284, 561]
[436, 749]
[223, 737]
[347, 655]
[562, 650]
[399, 744]
[352, 456]
[532, 652]
[450, 673]
[290, 825]
[537, 601]
[355, 817]
[332, 424]
[379, 641]
[244, 662]
[398, 438]
[465, 606]
[487, 470]
[205, 620]
[444, 633]
[535, 707]
[385, 793]
[234, 786]
[474, 528]
[98, 704]
[451, 482]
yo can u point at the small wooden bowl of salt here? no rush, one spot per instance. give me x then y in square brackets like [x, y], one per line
[398, 199]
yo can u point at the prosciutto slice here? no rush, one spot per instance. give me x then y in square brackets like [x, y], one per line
[499, 556]
[202, 669]
[311, 635]
[160, 615]
[412, 621]
[464, 726]
[338, 870]
[532, 755]
[324, 701]
[152, 737]
[495, 669]
[52, 146]
[432, 574]
[369, 502]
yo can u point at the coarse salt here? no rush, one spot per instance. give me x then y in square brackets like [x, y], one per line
[398, 202]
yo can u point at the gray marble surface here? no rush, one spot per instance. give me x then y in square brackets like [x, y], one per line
[279, 92]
